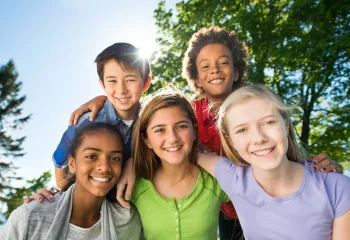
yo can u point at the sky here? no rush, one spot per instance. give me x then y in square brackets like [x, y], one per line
[53, 45]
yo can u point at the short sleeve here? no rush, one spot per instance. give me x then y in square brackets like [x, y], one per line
[60, 156]
[226, 174]
[338, 188]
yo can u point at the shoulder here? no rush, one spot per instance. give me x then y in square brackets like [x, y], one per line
[211, 184]
[141, 187]
[128, 224]
[336, 186]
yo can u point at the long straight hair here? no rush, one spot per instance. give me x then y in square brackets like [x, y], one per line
[146, 162]
[248, 92]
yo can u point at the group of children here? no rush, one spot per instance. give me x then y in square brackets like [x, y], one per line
[177, 191]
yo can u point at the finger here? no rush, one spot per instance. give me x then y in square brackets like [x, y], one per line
[71, 119]
[324, 163]
[46, 194]
[329, 168]
[93, 114]
[129, 189]
[77, 116]
[338, 169]
[318, 158]
[120, 198]
[28, 200]
[38, 197]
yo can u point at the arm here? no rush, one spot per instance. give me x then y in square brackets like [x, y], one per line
[61, 176]
[94, 105]
[127, 179]
[341, 227]
[208, 161]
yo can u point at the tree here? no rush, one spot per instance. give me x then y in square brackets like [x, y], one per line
[14, 197]
[299, 48]
[10, 119]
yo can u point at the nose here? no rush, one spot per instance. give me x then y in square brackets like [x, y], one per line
[215, 69]
[121, 87]
[172, 136]
[258, 136]
[103, 165]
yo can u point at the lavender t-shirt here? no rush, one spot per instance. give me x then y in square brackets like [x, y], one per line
[306, 214]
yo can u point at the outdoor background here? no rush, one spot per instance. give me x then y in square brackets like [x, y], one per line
[299, 48]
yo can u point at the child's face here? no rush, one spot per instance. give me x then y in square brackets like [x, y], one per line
[98, 163]
[170, 134]
[215, 71]
[123, 88]
[258, 133]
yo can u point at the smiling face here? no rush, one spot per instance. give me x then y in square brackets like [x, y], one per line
[215, 71]
[97, 164]
[123, 88]
[170, 133]
[258, 133]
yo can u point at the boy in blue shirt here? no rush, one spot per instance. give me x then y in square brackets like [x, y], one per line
[123, 75]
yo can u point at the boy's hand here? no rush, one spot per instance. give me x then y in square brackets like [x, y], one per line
[42, 194]
[94, 105]
[127, 179]
[324, 163]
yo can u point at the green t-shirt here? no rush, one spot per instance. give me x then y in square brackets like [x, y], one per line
[193, 217]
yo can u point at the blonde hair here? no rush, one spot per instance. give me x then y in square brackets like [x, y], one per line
[146, 162]
[245, 93]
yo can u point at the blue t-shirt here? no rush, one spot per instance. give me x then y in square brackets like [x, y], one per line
[306, 214]
[107, 114]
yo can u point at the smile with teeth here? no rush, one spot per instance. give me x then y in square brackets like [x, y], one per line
[123, 100]
[215, 81]
[263, 152]
[101, 179]
[172, 149]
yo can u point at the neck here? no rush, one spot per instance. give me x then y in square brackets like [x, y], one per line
[129, 114]
[281, 181]
[86, 209]
[174, 173]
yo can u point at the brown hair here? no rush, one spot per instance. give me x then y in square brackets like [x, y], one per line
[146, 162]
[255, 91]
[212, 35]
[127, 56]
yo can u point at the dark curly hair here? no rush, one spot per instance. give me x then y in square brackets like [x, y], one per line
[212, 35]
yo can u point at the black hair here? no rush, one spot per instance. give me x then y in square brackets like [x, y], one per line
[83, 132]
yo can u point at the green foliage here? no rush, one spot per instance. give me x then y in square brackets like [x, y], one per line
[299, 48]
[14, 196]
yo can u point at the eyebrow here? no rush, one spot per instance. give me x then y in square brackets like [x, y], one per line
[162, 125]
[205, 59]
[99, 150]
[272, 115]
[129, 75]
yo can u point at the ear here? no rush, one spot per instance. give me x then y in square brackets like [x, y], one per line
[235, 76]
[146, 141]
[147, 84]
[198, 83]
[71, 164]
[102, 84]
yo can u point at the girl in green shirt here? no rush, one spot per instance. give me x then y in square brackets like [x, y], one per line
[176, 199]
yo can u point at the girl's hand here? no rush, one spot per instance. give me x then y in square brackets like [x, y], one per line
[94, 105]
[42, 194]
[325, 164]
[127, 179]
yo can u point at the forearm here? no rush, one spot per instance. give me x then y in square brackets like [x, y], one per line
[208, 161]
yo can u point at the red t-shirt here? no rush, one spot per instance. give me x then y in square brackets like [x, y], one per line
[209, 137]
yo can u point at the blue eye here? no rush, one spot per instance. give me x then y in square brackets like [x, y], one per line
[241, 130]
[269, 122]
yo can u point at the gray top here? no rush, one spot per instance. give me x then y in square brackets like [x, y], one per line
[51, 220]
